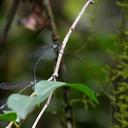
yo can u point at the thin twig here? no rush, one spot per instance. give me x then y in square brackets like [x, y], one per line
[55, 74]
[52, 21]
[55, 36]
[10, 125]
[9, 21]
[61, 52]
[45, 106]
[42, 111]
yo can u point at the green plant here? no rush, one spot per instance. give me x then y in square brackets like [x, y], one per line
[119, 72]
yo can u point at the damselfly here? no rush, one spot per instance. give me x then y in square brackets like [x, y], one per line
[22, 86]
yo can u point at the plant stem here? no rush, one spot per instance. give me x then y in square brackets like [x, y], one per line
[42, 111]
[10, 125]
[61, 52]
[55, 37]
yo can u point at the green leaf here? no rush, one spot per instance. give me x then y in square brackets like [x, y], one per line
[84, 89]
[44, 88]
[22, 104]
[12, 116]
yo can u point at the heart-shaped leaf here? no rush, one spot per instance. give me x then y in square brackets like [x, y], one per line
[22, 104]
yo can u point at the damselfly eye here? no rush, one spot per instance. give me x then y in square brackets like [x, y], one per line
[55, 46]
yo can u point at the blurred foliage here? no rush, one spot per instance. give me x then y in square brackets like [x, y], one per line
[94, 45]
[119, 74]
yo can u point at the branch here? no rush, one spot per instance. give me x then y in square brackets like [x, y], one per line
[55, 74]
[55, 37]
[61, 52]
[42, 111]
[10, 125]
[10, 18]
